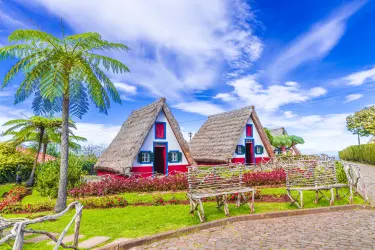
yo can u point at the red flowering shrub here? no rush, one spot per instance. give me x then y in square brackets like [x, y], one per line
[165, 183]
[115, 186]
[13, 197]
[274, 177]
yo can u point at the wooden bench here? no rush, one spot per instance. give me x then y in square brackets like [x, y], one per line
[217, 181]
[313, 176]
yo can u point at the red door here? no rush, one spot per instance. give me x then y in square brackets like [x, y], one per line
[250, 152]
[160, 159]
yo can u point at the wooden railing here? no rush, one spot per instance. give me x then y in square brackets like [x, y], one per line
[19, 228]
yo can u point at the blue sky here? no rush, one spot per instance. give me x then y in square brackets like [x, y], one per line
[305, 65]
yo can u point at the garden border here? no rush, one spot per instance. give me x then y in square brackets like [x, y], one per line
[222, 222]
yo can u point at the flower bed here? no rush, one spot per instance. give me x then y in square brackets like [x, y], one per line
[13, 199]
[167, 183]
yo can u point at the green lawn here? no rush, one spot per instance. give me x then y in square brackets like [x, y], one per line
[5, 188]
[138, 221]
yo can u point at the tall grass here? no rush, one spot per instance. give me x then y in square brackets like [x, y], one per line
[361, 153]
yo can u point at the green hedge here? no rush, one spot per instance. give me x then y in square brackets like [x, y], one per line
[361, 153]
[12, 161]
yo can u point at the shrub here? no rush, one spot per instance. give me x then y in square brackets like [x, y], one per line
[165, 183]
[274, 177]
[12, 161]
[48, 176]
[340, 173]
[11, 202]
[361, 153]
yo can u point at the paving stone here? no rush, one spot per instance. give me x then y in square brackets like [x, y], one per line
[336, 230]
[119, 240]
[39, 238]
[67, 239]
[93, 242]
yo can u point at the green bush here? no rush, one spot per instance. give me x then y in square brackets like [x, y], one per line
[12, 161]
[340, 173]
[361, 153]
[48, 176]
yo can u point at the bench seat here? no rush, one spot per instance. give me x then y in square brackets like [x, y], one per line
[212, 193]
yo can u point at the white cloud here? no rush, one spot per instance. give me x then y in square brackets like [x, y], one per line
[96, 133]
[322, 133]
[10, 113]
[251, 92]
[360, 78]
[199, 107]
[317, 91]
[184, 43]
[289, 114]
[225, 97]
[353, 97]
[315, 44]
[125, 90]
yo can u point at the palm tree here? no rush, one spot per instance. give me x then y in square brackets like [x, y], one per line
[22, 129]
[60, 68]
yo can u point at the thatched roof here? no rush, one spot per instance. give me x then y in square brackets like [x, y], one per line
[282, 131]
[216, 140]
[119, 156]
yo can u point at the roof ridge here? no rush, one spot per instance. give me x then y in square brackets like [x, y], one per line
[232, 111]
[163, 100]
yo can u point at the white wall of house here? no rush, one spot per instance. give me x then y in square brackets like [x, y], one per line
[257, 141]
[148, 144]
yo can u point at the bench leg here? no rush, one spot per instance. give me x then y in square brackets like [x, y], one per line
[301, 194]
[201, 211]
[226, 209]
[332, 197]
[351, 194]
[251, 205]
[193, 206]
[238, 203]
[316, 197]
[292, 200]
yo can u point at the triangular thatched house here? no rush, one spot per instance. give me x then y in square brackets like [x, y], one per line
[281, 131]
[149, 141]
[236, 136]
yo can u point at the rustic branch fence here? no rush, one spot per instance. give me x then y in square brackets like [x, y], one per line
[19, 228]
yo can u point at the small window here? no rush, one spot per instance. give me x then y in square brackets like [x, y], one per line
[259, 149]
[240, 150]
[174, 156]
[249, 130]
[145, 157]
[160, 130]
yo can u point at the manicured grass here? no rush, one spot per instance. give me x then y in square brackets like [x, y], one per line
[138, 221]
[5, 188]
[35, 197]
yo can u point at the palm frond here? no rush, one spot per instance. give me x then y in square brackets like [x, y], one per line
[107, 83]
[108, 63]
[34, 36]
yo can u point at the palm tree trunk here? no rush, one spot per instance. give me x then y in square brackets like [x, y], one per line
[44, 152]
[63, 183]
[30, 182]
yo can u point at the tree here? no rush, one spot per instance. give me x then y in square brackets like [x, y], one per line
[58, 69]
[23, 129]
[362, 123]
[53, 136]
[269, 134]
[285, 142]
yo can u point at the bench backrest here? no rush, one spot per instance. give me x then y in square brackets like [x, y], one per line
[209, 179]
[310, 174]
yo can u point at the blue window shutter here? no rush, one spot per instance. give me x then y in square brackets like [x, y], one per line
[151, 157]
[179, 156]
[169, 156]
[140, 157]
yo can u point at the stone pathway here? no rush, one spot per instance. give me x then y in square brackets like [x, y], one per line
[366, 185]
[335, 230]
[93, 242]
[67, 239]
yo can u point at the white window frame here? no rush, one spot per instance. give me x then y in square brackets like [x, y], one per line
[146, 157]
[174, 156]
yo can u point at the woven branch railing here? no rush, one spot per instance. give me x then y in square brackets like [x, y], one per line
[20, 228]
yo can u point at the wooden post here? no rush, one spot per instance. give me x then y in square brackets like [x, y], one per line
[18, 242]
[77, 224]
[332, 197]
[301, 194]
[316, 197]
